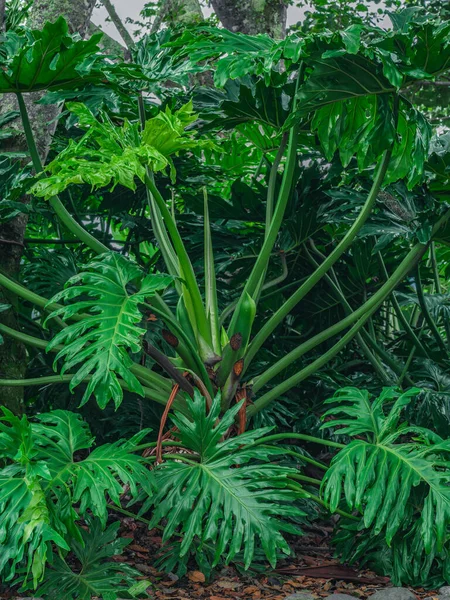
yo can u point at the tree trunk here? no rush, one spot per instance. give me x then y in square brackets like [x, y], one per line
[253, 16]
[13, 355]
[2, 14]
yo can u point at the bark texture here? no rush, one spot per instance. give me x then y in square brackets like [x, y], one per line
[13, 355]
[2, 14]
[184, 11]
[174, 12]
[253, 16]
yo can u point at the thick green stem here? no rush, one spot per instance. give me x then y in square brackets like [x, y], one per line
[54, 379]
[315, 277]
[36, 381]
[426, 313]
[27, 339]
[306, 479]
[64, 216]
[154, 444]
[302, 457]
[271, 187]
[363, 311]
[401, 317]
[334, 284]
[312, 368]
[437, 285]
[297, 436]
[285, 191]
[23, 292]
[127, 513]
[343, 513]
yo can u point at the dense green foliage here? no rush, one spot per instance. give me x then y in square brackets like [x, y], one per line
[244, 231]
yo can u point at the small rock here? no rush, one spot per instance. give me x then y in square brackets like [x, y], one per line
[306, 595]
[444, 591]
[394, 593]
[341, 597]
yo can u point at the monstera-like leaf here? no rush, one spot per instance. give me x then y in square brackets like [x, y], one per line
[228, 494]
[27, 526]
[97, 574]
[110, 155]
[60, 434]
[385, 479]
[107, 325]
[46, 59]
[46, 473]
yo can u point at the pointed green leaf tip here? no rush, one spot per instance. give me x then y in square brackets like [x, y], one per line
[46, 59]
[108, 327]
[384, 479]
[234, 497]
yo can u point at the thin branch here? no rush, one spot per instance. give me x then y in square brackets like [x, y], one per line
[442, 83]
[124, 34]
[12, 242]
[159, 18]
[172, 397]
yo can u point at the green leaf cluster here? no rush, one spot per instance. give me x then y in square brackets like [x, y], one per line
[107, 328]
[96, 574]
[51, 467]
[392, 473]
[46, 59]
[110, 155]
[225, 493]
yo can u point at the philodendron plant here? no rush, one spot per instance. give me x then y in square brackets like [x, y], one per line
[344, 93]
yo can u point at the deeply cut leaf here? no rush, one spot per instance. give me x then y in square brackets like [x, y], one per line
[107, 327]
[222, 499]
[384, 479]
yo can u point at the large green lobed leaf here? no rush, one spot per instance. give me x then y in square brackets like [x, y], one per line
[107, 326]
[232, 496]
[46, 59]
[385, 479]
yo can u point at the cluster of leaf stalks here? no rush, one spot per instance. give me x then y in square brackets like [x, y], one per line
[341, 166]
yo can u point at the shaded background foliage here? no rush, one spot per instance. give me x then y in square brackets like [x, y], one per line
[244, 118]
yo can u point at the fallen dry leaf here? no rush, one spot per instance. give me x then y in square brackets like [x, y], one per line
[251, 589]
[196, 577]
[227, 584]
[137, 548]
